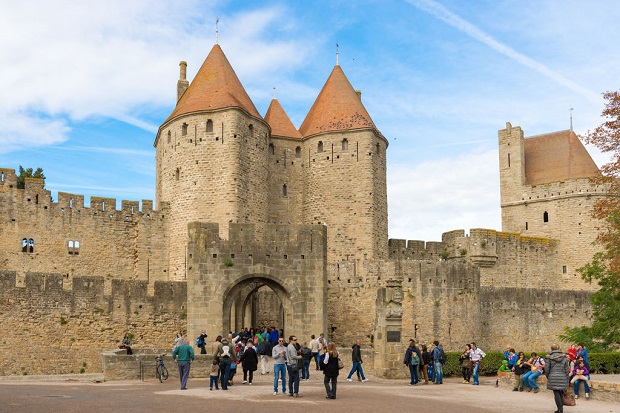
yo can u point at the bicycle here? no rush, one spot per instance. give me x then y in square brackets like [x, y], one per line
[162, 371]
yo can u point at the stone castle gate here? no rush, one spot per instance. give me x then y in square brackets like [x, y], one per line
[224, 277]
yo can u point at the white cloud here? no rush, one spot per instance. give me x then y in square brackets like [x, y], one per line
[434, 197]
[20, 129]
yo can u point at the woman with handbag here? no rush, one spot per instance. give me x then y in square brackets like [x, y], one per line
[330, 370]
[465, 361]
[556, 370]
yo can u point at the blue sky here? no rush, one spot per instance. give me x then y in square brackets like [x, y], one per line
[85, 85]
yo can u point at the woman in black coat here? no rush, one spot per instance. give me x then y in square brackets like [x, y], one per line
[330, 370]
[249, 362]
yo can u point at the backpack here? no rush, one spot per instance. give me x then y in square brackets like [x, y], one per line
[442, 356]
[415, 359]
[225, 351]
[199, 342]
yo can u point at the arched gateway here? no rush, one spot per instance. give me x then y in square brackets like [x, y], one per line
[279, 275]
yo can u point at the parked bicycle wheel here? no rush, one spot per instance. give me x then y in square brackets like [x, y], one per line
[164, 372]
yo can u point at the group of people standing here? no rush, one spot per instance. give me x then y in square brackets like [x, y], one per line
[429, 365]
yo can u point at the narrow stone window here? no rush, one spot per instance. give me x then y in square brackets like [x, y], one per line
[177, 174]
[31, 245]
[2, 177]
[209, 125]
[509, 160]
[563, 269]
[251, 130]
[102, 206]
[298, 152]
[526, 226]
[184, 129]
[345, 144]
[272, 149]
[546, 217]
[378, 148]
[25, 245]
[284, 190]
[169, 136]
[36, 199]
[70, 202]
[319, 148]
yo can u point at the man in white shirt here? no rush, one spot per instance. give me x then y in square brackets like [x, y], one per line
[476, 356]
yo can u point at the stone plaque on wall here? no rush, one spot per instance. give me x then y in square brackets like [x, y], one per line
[393, 336]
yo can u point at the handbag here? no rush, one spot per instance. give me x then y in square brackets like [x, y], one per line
[568, 399]
[340, 364]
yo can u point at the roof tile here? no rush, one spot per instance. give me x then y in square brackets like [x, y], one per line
[337, 107]
[557, 156]
[216, 86]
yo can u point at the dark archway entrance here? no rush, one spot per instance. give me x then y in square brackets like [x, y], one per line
[256, 302]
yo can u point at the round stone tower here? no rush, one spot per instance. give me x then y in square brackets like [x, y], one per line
[211, 157]
[345, 178]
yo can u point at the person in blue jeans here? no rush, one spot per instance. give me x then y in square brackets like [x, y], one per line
[356, 358]
[476, 356]
[438, 365]
[412, 361]
[279, 366]
[536, 368]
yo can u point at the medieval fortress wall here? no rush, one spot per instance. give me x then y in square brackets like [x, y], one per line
[48, 328]
[244, 217]
[71, 239]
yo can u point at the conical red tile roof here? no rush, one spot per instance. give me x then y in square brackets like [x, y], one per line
[337, 107]
[557, 156]
[279, 121]
[216, 86]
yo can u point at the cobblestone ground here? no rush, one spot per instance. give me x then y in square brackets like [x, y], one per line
[377, 395]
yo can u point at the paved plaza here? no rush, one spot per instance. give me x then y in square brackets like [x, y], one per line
[20, 395]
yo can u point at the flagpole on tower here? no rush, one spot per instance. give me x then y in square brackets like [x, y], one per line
[216, 31]
[336, 54]
[571, 119]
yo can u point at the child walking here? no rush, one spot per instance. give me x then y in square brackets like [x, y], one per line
[215, 372]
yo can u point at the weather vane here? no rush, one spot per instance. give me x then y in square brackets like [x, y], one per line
[216, 31]
[571, 119]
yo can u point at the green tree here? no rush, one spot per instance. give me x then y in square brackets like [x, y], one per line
[604, 333]
[28, 173]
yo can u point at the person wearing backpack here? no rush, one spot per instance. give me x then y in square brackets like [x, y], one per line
[413, 360]
[439, 357]
[200, 342]
[226, 355]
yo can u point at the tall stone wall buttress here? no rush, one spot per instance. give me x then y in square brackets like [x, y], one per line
[388, 341]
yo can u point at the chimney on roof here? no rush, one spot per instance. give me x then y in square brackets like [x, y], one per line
[182, 84]
[359, 94]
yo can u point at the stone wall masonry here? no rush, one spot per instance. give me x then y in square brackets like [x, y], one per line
[285, 168]
[530, 319]
[49, 329]
[211, 176]
[354, 210]
[115, 243]
[222, 274]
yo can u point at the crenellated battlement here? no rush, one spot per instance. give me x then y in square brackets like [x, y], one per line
[67, 202]
[244, 245]
[415, 249]
[48, 290]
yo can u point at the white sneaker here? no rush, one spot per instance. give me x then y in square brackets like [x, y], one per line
[587, 395]
[244, 382]
[364, 381]
[349, 379]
